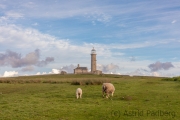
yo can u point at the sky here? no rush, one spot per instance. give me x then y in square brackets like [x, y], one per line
[131, 37]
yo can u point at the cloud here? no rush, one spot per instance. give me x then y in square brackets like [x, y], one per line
[68, 68]
[156, 74]
[55, 71]
[44, 73]
[98, 17]
[35, 24]
[143, 72]
[140, 72]
[10, 73]
[132, 58]
[15, 60]
[45, 62]
[108, 68]
[28, 38]
[160, 66]
[174, 21]
[12, 14]
[19, 38]
[38, 73]
[59, 9]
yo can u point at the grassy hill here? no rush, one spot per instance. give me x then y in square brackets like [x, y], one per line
[52, 97]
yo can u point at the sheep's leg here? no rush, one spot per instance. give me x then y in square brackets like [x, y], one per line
[103, 93]
[112, 93]
[107, 95]
[77, 96]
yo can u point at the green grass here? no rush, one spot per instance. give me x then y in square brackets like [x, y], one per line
[52, 97]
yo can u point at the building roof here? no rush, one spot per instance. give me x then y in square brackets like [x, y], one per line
[82, 68]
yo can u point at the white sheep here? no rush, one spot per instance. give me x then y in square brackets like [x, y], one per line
[108, 88]
[78, 93]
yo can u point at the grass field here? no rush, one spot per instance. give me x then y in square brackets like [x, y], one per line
[52, 97]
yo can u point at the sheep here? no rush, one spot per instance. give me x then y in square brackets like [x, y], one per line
[108, 88]
[78, 93]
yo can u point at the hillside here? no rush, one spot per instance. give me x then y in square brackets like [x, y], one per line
[52, 97]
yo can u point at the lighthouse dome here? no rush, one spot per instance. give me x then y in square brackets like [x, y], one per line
[93, 51]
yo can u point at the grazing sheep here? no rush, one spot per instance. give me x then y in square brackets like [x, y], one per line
[78, 93]
[108, 88]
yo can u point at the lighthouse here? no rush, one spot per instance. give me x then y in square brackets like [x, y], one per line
[93, 60]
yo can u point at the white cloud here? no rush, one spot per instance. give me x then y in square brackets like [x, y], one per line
[174, 21]
[63, 9]
[3, 20]
[68, 68]
[10, 73]
[138, 72]
[30, 38]
[110, 68]
[29, 5]
[141, 68]
[44, 73]
[35, 24]
[38, 73]
[12, 14]
[26, 38]
[55, 71]
[156, 74]
[98, 17]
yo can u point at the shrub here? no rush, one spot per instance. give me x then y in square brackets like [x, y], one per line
[172, 79]
[89, 82]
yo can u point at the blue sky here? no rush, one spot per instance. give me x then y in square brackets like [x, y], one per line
[132, 37]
